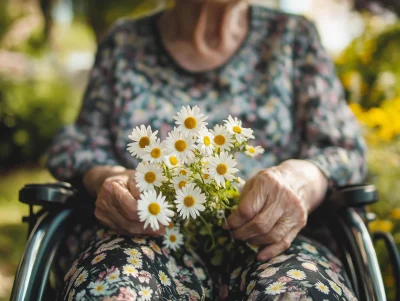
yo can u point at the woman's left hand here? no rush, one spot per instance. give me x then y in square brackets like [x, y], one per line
[275, 204]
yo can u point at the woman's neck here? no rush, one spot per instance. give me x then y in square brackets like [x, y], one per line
[209, 26]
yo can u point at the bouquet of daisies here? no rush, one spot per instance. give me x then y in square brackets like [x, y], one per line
[188, 182]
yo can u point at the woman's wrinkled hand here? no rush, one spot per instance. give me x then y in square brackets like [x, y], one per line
[274, 206]
[116, 205]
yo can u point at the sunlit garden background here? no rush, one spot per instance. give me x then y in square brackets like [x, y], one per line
[47, 48]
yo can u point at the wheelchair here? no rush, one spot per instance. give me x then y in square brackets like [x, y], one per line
[343, 213]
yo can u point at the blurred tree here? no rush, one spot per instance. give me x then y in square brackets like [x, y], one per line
[100, 14]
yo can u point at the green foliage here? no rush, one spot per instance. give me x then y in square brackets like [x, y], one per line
[370, 65]
[30, 113]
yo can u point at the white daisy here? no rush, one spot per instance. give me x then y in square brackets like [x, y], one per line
[250, 287]
[222, 138]
[145, 292]
[164, 279]
[309, 248]
[135, 262]
[221, 168]
[275, 288]
[142, 137]
[98, 258]
[180, 181]
[204, 141]
[98, 288]
[189, 201]
[171, 161]
[322, 287]
[310, 266]
[81, 278]
[173, 239]
[296, 274]
[113, 277]
[183, 171]
[154, 210]
[335, 287]
[220, 214]
[268, 272]
[154, 152]
[234, 126]
[149, 176]
[130, 270]
[190, 121]
[253, 151]
[180, 146]
[133, 253]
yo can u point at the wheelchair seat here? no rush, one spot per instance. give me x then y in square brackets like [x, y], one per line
[343, 213]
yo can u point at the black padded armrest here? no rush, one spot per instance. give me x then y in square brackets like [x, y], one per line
[355, 196]
[46, 194]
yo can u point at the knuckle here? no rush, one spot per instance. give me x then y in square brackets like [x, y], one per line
[259, 225]
[244, 212]
[286, 244]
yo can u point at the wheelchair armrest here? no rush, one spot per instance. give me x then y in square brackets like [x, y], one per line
[46, 194]
[358, 195]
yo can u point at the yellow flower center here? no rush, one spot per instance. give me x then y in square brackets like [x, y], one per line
[190, 123]
[189, 201]
[156, 153]
[207, 141]
[206, 176]
[171, 225]
[144, 141]
[183, 172]
[173, 160]
[172, 238]
[252, 150]
[182, 184]
[237, 129]
[180, 145]
[154, 208]
[222, 169]
[100, 288]
[219, 140]
[150, 177]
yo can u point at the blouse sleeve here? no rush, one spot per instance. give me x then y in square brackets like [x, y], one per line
[89, 141]
[331, 136]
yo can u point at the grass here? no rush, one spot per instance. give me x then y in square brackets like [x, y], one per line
[13, 232]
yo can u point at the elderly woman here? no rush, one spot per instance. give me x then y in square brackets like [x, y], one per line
[227, 57]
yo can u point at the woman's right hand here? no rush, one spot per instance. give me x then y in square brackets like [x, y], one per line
[116, 201]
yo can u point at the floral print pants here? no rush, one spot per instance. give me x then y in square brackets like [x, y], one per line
[114, 267]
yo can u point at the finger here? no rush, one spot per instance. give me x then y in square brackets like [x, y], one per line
[247, 186]
[148, 231]
[126, 204]
[277, 233]
[133, 189]
[249, 206]
[277, 248]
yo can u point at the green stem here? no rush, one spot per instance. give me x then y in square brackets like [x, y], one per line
[209, 232]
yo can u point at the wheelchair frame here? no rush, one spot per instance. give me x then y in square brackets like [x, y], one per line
[348, 225]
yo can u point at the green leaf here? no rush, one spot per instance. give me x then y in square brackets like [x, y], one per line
[217, 258]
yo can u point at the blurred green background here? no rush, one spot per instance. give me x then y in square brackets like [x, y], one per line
[47, 48]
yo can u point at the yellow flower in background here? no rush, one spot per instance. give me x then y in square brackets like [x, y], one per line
[381, 225]
[396, 213]
[357, 110]
[351, 80]
[375, 117]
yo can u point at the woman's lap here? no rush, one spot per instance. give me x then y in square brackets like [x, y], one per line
[121, 268]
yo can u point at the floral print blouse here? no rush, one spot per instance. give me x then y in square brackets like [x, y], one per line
[280, 82]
